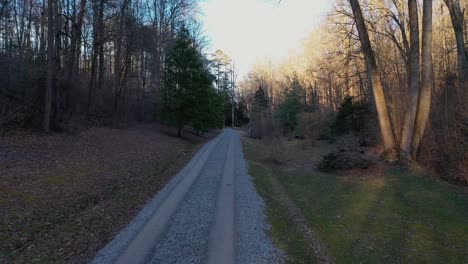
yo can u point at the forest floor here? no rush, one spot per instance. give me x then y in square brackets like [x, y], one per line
[64, 196]
[379, 215]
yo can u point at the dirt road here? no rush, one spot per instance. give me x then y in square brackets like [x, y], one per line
[208, 213]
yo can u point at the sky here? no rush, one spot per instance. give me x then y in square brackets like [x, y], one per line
[253, 30]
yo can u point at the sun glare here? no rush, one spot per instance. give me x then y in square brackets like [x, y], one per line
[249, 30]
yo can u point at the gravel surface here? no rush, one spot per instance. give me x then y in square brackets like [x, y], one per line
[189, 230]
[112, 251]
[253, 243]
[186, 238]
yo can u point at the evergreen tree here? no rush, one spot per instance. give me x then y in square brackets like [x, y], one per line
[351, 117]
[188, 96]
[240, 113]
[289, 109]
[260, 103]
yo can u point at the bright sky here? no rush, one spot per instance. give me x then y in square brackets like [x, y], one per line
[252, 30]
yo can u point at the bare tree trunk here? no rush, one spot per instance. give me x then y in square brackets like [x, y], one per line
[118, 61]
[79, 29]
[92, 79]
[458, 21]
[96, 73]
[142, 87]
[376, 84]
[424, 105]
[75, 46]
[50, 66]
[101, 44]
[414, 82]
[42, 45]
[29, 47]
[57, 62]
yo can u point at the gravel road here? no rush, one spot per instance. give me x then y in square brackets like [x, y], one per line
[209, 212]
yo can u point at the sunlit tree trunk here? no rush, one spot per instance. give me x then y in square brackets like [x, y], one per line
[424, 105]
[376, 84]
[414, 82]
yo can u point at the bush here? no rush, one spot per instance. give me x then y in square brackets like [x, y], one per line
[344, 161]
[348, 143]
[277, 151]
[314, 125]
[445, 144]
[352, 117]
[263, 127]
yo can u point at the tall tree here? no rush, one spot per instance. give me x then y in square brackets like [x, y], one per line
[376, 84]
[75, 44]
[51, 52]
[459, 28]
[187, 97]
[289, 109]
[424, 105]
[414, 82]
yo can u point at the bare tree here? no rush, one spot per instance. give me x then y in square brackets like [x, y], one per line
[458, 22]
[427, 78]
[51, 52]
[414, 82]
[376, 84]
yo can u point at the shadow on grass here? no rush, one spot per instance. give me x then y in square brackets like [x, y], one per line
[397, 217]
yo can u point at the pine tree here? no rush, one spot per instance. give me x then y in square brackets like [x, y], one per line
[188, 96]
[289, 109]
[260, 103]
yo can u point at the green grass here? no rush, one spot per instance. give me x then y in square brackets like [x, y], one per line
[283, 232]
[397, 217]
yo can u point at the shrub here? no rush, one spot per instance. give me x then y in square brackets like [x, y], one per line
[344, 161]
[314, 125]
[351, 118]
[277, 150]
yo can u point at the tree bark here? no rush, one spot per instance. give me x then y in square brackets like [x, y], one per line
[101, 45]
[96, 70]
[75, 46]
[118, 60]
[50, 66]
[458, 23]
[376, 84]
[42, 45]
[424, 105]
[57, 62]
[414, 82]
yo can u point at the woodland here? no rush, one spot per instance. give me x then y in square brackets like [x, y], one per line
[361, 134]
[391, 73]
[402, 66]
[69, 64]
